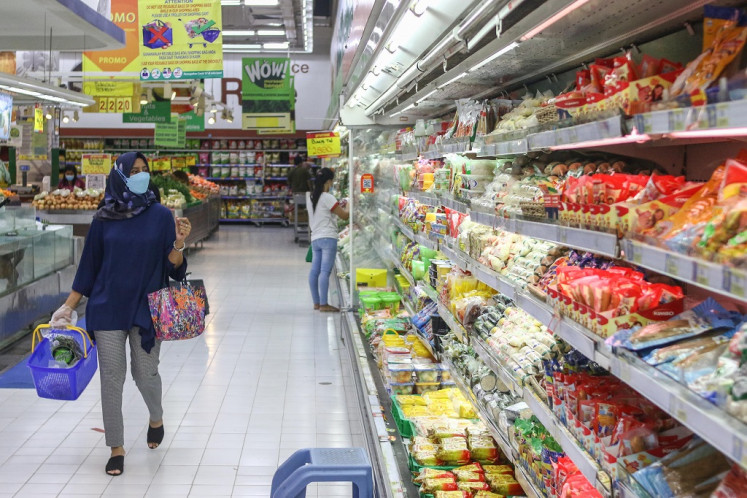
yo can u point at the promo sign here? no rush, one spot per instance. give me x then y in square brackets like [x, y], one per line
[325, 144]
[180, 40]
[124, 60]
[367, 184]
[267, 94]
[96, 164]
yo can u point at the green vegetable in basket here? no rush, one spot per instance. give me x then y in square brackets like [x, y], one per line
[65, 349]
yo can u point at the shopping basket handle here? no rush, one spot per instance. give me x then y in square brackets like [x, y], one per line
[38, 336]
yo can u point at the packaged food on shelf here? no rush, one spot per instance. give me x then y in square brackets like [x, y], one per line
[605, 301]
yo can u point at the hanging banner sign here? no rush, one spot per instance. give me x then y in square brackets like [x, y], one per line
[38, 120]
[6, 115]
[268, 94]
[96, 164]
[155, 112]
[367, 184]
[124, 60]
[180, 40]
[323, 144]
[173, 134]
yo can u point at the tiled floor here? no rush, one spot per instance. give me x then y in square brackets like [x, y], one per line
[269, 376]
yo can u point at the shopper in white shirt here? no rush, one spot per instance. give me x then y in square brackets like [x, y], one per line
[323, 212]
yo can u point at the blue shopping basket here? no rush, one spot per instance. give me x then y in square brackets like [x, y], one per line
[61, 383]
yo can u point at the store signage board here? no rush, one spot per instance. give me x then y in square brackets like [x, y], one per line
[96, 181]
[180, 40]
[171, 134]
[267, 94]
[95, 164]
[325, 144]
[155, 112]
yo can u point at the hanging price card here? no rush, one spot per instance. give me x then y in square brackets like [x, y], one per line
[323, 144]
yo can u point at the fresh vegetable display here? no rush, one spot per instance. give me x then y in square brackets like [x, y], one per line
[65, 199]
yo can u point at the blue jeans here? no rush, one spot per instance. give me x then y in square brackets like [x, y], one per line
[324, 252]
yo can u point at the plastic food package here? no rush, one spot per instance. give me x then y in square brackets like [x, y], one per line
[427, 373]
[403, 388]
[432, 485]
[400, 373]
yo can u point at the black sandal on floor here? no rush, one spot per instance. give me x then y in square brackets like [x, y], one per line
[115, 463]
[155, 436]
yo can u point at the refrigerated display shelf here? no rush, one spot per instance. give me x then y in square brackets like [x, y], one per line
[586, 464]
[388, 454]
[731, 282]
[453, 324]
[714, 425]
[601, 243]
[501, 439]
[572, 448]
[487, 355]
[418, 237]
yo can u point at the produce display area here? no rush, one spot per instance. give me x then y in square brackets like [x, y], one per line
[249, 174]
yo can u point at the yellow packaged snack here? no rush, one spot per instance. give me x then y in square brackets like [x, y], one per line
[410, 399]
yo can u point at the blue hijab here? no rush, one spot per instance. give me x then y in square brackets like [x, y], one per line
[119, 202]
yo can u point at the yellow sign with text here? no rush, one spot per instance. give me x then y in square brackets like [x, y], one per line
[323, 144]
[96, 164]
[180, 40]
[38, 120]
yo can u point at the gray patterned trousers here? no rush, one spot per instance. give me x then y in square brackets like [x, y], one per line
[113, 371]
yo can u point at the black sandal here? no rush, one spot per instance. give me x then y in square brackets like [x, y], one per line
[155, 436]
[115, 463]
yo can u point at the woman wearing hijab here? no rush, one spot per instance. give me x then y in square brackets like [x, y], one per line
[323, 212]
[71, 180]
[133, 246]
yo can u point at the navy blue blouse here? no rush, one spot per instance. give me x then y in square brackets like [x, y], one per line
[122, 262]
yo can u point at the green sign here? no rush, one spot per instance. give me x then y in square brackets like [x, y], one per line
[155, 112]
[268, 93]
[171, 134]
[194, 122]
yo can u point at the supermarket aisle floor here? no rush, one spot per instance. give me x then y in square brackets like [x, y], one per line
[268, 377]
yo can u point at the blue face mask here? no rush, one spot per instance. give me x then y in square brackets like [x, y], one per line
[138, 183]
[69, 178]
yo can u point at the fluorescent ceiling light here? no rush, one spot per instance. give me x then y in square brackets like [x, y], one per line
[280, 45]
[557, 17]
[241, 46]
[249, 3]
[427, 95]
[43, 91]
[271, 32]
[493, 57]
[452, 80]
[238, 32]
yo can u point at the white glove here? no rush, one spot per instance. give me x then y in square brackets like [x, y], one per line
[65, 316]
